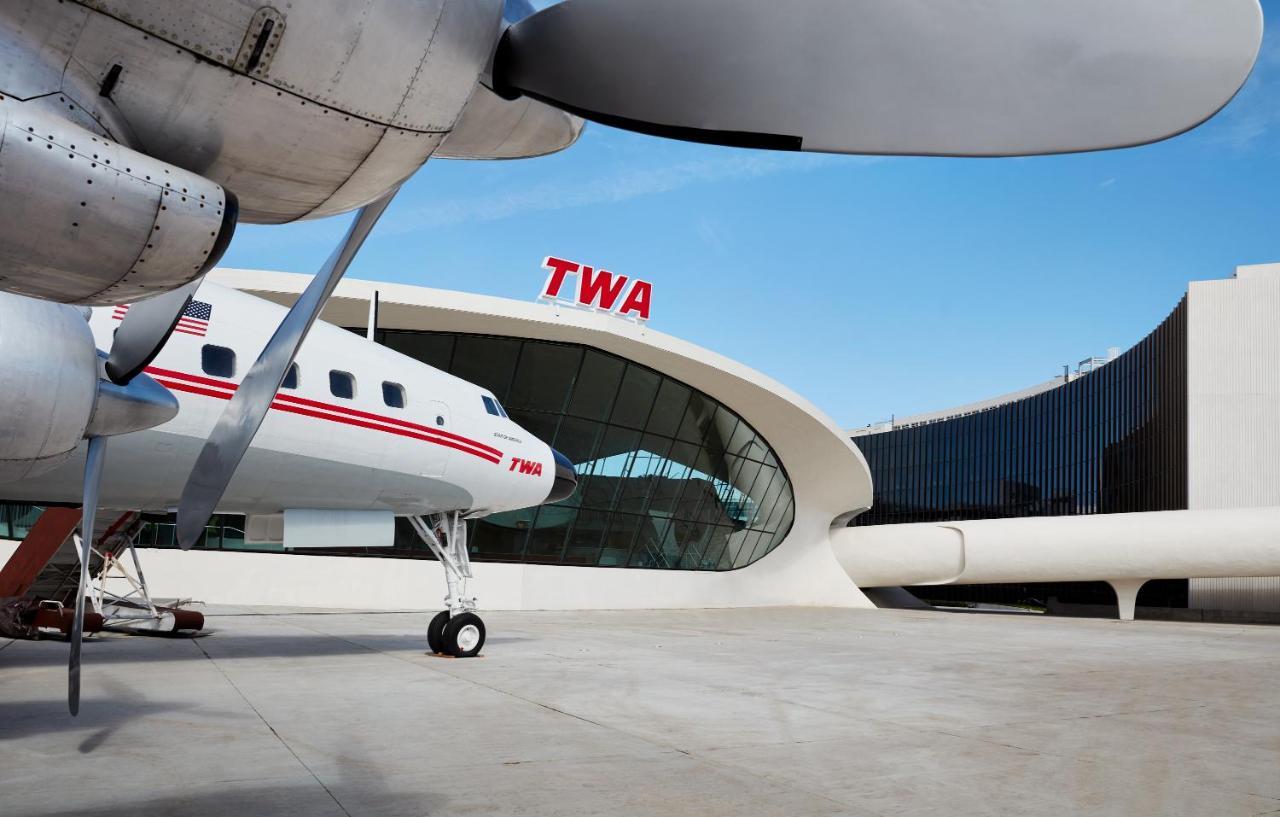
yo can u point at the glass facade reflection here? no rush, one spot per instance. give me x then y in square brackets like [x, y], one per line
[16, 520]
[1112, 440]
[667, 477]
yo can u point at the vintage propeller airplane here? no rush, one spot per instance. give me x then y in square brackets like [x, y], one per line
[138, 133]
[357, 435]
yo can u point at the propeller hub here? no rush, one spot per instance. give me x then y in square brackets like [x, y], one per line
[142, 403]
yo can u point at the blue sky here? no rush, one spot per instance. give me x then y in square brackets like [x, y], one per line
[872, 286]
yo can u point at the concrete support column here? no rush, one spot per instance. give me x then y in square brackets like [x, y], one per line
[1127, 595]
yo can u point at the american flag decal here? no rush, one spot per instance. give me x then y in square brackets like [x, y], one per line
[194, 321]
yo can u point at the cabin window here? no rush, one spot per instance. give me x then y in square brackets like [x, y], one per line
[291, 378]
[393, 394]
[490, 405]
[439, 419]
[342, 384]
[218, 361]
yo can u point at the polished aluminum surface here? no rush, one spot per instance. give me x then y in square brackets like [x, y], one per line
[934, 77]
[54, 396]
[340, 106]
[86, 220]
[243, 415]
[89, 508]
[404, 63]
[50, 373]
[142, 403]
[495, 128]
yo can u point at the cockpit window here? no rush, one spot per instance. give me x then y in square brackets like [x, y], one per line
[491, 405]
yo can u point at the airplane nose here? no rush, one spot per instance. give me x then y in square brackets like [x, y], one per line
[566, 479]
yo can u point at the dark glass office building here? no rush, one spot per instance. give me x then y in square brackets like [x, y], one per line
[1112, 439]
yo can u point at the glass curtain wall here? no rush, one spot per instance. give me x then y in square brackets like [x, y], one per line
[1113, 440]
[667, 476]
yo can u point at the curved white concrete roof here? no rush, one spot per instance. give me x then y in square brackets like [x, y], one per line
[828, 474]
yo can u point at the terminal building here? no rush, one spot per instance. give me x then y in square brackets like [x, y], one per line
[703, 483]
[1187, 419]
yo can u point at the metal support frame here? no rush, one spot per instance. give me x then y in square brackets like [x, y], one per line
[446, 535]
[131, 606]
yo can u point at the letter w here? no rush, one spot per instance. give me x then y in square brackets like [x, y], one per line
[526, 467]
[600, 288]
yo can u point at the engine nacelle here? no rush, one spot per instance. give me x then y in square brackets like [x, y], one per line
[86, 220]
[55, 393]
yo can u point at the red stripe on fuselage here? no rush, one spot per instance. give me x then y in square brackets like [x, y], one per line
[223, 384]
[209, 387]
[399, 431]
[195, 378]
[187, 387]
[393, 420]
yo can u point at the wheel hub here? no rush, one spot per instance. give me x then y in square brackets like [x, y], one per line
[468, 637]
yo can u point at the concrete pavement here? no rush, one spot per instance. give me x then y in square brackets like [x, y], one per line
[706, 712]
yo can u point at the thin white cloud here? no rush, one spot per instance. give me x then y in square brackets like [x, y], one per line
[623, 184]
[710, 235]
[1253, 114]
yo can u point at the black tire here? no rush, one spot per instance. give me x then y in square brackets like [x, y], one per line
[435, 632]
[466, 628]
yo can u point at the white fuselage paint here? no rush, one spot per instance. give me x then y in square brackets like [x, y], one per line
[442, 452]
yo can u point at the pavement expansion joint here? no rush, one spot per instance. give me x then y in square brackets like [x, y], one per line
[273, 730]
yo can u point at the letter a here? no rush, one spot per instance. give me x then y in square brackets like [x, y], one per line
[638, 300]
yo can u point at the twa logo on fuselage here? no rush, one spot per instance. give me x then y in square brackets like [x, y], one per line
[596, 289]
[523, 466]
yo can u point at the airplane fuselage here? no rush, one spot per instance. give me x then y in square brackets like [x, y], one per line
[444, 449]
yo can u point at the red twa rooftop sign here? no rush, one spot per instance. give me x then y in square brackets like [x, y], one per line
[596, 289]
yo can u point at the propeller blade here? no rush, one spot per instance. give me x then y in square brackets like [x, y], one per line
[921, 77]
[92, 479]
[248, 407]
[145, 330]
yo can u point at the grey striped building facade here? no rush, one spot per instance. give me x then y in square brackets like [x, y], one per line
[1187, 419]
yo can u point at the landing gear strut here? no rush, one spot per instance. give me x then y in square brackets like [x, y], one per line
[456, 631]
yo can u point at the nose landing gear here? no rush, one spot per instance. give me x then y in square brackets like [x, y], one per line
[455, 631]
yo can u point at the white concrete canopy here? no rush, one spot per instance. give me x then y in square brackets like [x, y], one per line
[828, 475]
[1123, 549]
